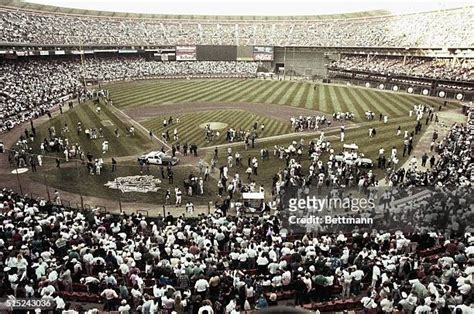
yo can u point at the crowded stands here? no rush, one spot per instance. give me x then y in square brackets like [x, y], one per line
[445, 28]
[30, 88]
[228, 264]
[445, 69]
[418, 257]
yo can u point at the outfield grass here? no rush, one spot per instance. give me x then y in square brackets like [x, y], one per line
[190, 126]
[321, 97]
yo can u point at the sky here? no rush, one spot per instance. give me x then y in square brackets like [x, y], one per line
[256, 7]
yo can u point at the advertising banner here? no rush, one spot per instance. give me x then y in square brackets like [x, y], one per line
[185, 53]
[262, 53]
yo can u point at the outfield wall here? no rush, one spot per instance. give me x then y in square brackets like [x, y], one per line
[459, 91]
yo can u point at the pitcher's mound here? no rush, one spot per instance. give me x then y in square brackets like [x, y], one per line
[214, 125]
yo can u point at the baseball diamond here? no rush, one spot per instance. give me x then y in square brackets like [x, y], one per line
[224, 157]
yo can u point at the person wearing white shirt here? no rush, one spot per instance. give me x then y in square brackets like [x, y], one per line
[345, 281]
[422, 308]
[243, 260]
[124, 269]
[109, 295]
[387, 304]
[376, 273]
[207, 309]
[124, 308]
[357, 276]
[465, 288]
[262, 262]
[286, 278]
[368, 303]
[87, 259]
[60, 304]
[201, 286]
[230, 307]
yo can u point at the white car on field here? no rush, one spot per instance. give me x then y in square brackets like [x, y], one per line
[159, 158]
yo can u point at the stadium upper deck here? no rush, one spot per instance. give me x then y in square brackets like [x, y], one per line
[437, 29]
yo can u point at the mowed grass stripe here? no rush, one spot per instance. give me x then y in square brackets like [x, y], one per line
[385, 135]
[405, 102]
[293, 100]
[193, 120]
[330, 100]
[320, 103]
[212, 97]
[190, 94]
[433, 102]
[336, 106]
[388, 136]
[232, 90]
[249, 119]
[155, 96]
[139, 141]
[119, 89]
[309, 97]
[371, 103]
[387, 101]
[283, 128]
[209, 92]
[296, 101]
[123, 92]
[396, 108]
[377, 105]
[356, 101]
[120, 92]
[383, 104]
[250, 97]
[150, 92]
[269, 92]
[108, 131]
[245, 96]
[137, 99]
[272, 126]
[343, 99]
[289, 93]
[176, 95]
[278, 96]
[238, 93]
[186, 122]
[304, 96]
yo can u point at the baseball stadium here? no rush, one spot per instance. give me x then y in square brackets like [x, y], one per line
[165, 163]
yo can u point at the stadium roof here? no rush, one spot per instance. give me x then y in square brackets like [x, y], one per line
[106, 7]
[65, 10]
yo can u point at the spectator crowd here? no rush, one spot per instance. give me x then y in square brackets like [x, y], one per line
[445, 28]
[226, 264]
[419, 67]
